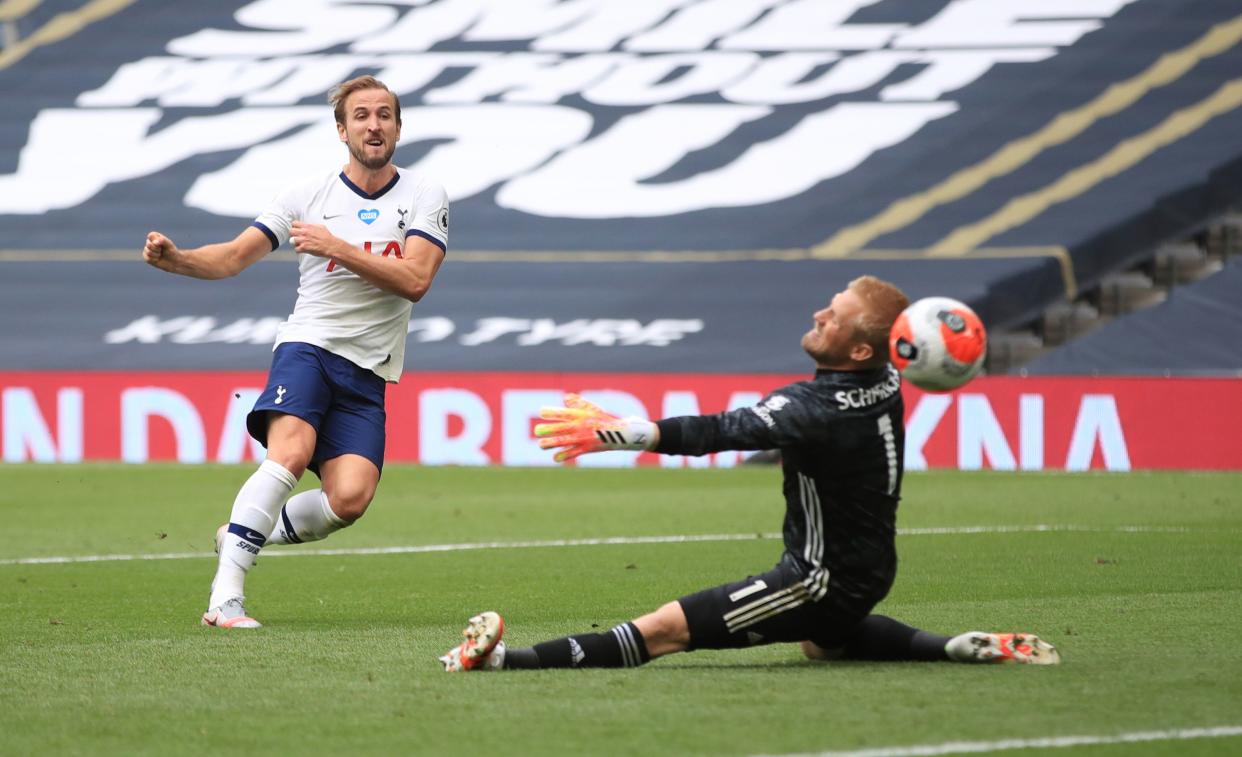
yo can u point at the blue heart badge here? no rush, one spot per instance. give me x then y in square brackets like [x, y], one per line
[368, 216]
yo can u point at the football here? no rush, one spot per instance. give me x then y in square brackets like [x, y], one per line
[938, 344]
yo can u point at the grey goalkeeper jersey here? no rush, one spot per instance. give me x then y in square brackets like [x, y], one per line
[841, 437]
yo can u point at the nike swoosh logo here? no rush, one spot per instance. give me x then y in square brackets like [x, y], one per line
[329, 218]
[252, 536]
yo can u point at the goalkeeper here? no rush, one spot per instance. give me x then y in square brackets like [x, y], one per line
[840, 435]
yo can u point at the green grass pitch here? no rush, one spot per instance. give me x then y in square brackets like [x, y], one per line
[108, 657]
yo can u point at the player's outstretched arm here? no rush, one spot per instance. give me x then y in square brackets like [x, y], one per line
[213, 261]
[581, 427]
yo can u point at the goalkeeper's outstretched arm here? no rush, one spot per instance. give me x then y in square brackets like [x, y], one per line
[580, 427]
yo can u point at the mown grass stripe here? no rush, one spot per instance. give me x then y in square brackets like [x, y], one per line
[603, 541]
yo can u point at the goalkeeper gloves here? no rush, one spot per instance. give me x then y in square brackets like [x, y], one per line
[581, 427]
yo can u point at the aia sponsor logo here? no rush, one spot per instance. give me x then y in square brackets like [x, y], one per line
[391, 248]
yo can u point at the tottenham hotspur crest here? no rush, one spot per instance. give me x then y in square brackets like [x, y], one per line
[401, 223]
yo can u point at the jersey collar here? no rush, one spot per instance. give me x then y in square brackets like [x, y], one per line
[864, 376]
[382, 191]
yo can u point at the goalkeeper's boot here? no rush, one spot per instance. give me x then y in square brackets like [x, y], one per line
[231, 614]
[482, 648]
[1021, 648]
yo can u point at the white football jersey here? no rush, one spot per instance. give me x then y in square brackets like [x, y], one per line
[337, 309]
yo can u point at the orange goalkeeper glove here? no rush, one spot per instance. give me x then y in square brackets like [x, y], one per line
[581, 427]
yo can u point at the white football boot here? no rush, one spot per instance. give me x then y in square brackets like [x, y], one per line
[231, 614]
[1020, 648]
[482, 649]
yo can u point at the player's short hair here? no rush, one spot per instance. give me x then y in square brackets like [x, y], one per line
[882, 302]
[341, 92]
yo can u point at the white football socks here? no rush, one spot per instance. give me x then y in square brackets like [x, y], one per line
[307, 516]
[254, 514]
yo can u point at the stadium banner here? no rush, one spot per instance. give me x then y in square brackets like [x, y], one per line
[485, 418]
[554, 125]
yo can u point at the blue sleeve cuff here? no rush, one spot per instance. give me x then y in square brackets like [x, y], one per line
[429, 238]
[270, 236]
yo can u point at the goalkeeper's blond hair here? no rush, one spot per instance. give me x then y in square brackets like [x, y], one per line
[882, 302]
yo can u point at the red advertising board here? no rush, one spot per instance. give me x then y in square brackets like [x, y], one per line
[485, 418]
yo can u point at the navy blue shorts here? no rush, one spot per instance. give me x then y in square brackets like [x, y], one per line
[342, 401]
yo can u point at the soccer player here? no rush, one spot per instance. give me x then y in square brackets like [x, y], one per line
[370, 239]
[840, 435]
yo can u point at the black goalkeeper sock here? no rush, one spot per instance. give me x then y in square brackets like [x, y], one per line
[879, 637]
[622, 647]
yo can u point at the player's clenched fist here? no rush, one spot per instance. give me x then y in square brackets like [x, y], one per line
[158, 250]
[313, 239]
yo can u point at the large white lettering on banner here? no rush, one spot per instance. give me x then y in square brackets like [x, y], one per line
[572, 110]
[458, 426]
